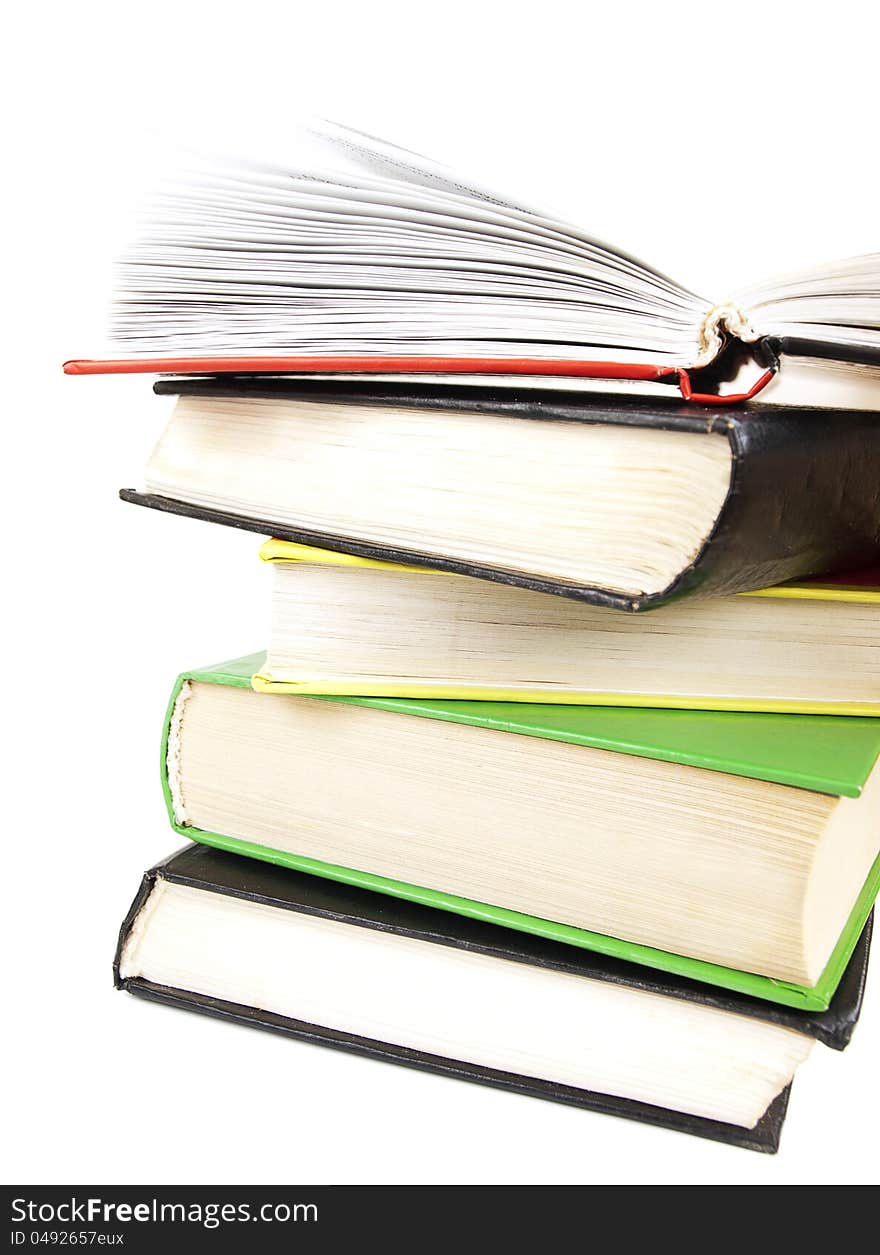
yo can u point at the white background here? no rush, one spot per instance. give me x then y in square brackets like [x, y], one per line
[722, 142]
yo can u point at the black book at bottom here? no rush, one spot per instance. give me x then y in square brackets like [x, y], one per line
[396, 981]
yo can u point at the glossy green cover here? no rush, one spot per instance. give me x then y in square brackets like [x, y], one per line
[830, 754]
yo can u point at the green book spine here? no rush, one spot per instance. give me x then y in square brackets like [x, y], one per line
[836, 756]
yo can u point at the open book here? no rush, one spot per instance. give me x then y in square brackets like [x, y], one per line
[364, 257]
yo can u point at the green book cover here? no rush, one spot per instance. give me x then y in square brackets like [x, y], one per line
[823, 753]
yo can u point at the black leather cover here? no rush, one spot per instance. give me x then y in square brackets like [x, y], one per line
[802, 346]
[214, 871]
[763, 1137]
[804, 496]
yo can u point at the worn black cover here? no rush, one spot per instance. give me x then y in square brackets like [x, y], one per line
[763, 1137]
[804, 497]
[215, 871]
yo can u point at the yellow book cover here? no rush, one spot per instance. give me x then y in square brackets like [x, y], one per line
[685, 629]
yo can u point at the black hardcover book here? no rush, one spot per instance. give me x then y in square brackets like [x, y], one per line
[348, 959]
[624, 505]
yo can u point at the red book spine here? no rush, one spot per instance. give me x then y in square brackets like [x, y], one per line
[639, 372]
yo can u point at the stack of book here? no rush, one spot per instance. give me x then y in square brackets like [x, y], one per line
[560, 772]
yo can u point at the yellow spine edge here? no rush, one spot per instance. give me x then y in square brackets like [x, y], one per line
[820, 592]
[288, 551]
[263, 682]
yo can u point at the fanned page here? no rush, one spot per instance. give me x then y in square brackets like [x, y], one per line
[363, 256]
[413, 260]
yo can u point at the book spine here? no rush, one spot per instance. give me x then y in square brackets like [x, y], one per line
[804, 499]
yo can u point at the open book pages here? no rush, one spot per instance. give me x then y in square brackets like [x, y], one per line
[358, 249]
